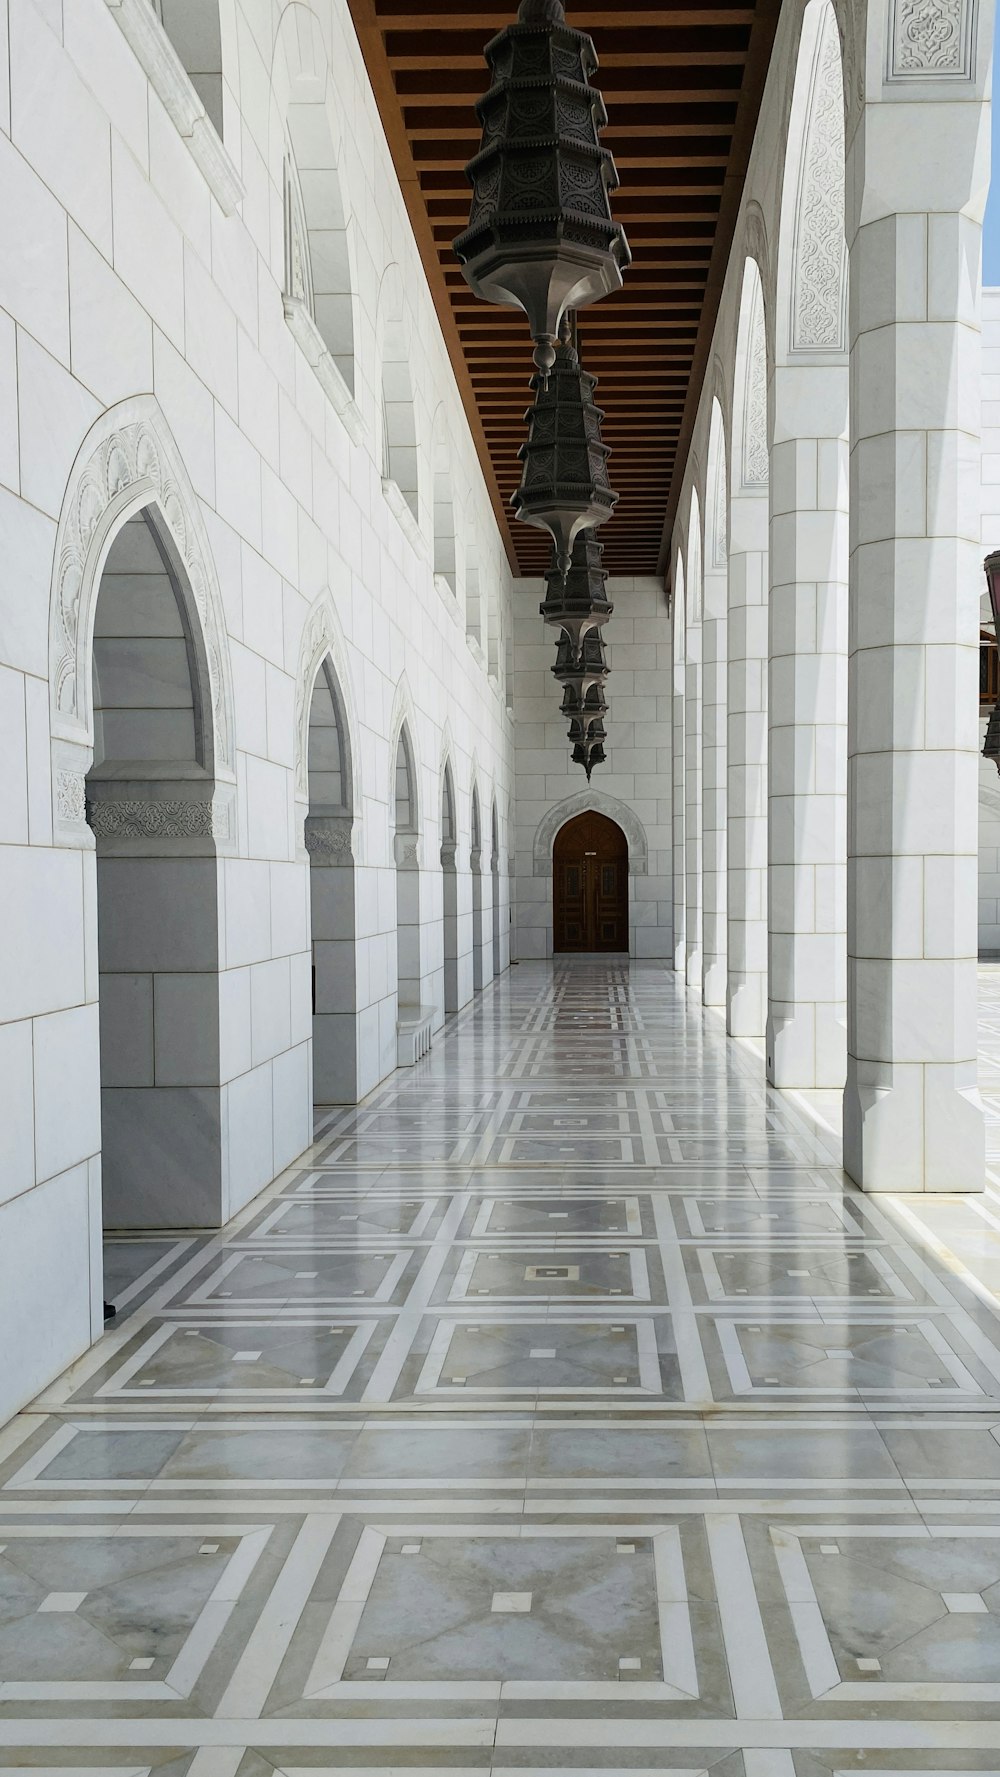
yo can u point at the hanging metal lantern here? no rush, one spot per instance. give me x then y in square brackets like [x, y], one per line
[564, 483]
[578, 604]
[540, 234]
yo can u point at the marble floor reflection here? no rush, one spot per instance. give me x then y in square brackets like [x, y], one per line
[564, 1409]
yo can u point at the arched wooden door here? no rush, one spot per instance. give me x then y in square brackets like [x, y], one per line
[590, 885]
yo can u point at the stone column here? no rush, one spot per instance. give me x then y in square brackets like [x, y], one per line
[713, 788]
[678, 781]
[692, 802]
[807, 730]
[746, 769]
[917, 172]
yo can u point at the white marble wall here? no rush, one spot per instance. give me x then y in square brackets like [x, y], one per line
[145, 259]
[633, 787]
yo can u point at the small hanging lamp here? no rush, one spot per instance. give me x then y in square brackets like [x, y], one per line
[578, 604]
[564, 482]
[540, 234]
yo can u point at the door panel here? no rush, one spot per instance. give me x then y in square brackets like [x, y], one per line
[590, 886]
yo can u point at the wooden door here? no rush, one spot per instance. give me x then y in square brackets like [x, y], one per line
[590, 885]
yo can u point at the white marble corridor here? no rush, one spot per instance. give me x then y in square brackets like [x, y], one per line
[562, 1409]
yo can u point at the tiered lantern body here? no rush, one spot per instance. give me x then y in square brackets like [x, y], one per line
[564, 483]
[540, 232]
[581, 668]
[578, 604]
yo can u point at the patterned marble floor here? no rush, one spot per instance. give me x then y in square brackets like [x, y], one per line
[563, 1410]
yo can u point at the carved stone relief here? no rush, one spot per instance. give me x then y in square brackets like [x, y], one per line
[932, 39]
[819, 282]
[755, 396]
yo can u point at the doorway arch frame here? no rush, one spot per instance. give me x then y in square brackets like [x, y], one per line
[590, 801]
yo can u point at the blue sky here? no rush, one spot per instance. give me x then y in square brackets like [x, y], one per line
[991, 222]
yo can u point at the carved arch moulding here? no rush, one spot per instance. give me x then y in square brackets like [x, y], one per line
[590, 802]
[128, 463]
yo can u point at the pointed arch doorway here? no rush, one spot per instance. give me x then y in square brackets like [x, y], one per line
[590, 885]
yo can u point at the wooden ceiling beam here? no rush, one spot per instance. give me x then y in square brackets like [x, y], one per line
[676, 83]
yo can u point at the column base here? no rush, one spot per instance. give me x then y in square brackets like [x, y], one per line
[693, 969]
[746, 1006]
[714, 981]
[912, 1127]
[806, 1047]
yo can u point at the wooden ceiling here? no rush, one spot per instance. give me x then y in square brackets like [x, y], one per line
[682, 87]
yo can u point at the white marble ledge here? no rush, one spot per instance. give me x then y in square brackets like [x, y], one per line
[308, 337]
[172, 85]
[398, 504]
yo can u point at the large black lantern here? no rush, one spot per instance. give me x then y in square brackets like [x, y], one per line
[991, 746]
[540, 234]
[578, 604]
[564, 481]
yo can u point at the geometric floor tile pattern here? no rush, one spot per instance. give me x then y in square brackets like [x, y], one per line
[564, 1409]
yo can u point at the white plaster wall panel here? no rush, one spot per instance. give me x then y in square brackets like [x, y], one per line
[149, 248]
[34, 283]
[190, 413]
[111, 336]
[42, 957]
[67, 1097]
[55, 412]
[249, 1121]
[58, 126]
[14, 752]
[291, 1086]
[17, 1106]
[47, 1231]
[9, 454]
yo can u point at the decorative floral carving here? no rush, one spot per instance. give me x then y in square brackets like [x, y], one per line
[135, 818]
[820, 278]
[134, 459]
[71, 796]
[329, 839]
[933, 39]
[755, 396]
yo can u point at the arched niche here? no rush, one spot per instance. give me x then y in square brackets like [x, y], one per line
[398, 450]
[445, 539]
[318, 263]
[479, 971]
[495, 875]
[194, 27]
[128, 463]
[333, 891]
[450, 917]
